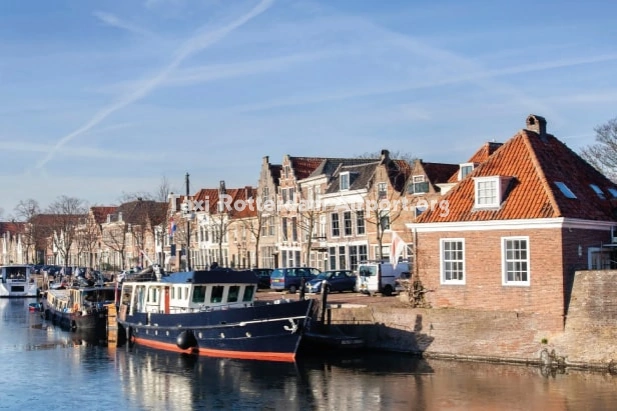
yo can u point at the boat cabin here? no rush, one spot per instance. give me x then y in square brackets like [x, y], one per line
[59, 300]
[15, 281]
[191, 292]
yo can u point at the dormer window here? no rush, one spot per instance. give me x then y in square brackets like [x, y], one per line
[489, 191]
[344, 181]
[464, 169]
[418, 185]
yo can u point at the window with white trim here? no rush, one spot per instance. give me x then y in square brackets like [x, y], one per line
[382, 191]
[418, 185]
[487, 192]
[344, 181]
[464, 169]
[452, 261]
[515, 260]
[335, 225]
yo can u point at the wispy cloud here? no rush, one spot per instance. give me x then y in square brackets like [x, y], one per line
[73, 151]
[198, 42]
[113, 21]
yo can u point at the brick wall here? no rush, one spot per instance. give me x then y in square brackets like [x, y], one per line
[483, 289]
[588, 339]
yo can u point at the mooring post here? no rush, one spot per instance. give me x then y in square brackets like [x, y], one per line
[324, 301]
[302, 288]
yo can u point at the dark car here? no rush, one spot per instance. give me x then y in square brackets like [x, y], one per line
[290, 278]
[336, 280]
[263, 274]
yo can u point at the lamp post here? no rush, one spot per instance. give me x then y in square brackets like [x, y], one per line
[188, 227]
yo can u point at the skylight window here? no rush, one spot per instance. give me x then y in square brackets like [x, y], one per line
[598, 191]
[564, 189]
[613, 191]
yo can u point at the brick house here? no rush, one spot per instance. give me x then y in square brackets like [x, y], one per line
[518, 226]
[267, 189]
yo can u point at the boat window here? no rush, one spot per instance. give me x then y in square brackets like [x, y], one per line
[141, 291]
[249, 290]
[16, 273]
[234, 290]
[217, 294]
[153, 296]
[186, 293]
[173, 293]
[126, 294]
[199, 294]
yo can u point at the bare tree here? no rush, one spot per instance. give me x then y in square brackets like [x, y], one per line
[255, 225]
[603, 153]
[163, 190]
[87, 238]
[68, 213]
[397, 154]
[25, 211]
[387, 197]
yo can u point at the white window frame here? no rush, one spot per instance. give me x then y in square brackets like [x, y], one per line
[461, 167]
[504, 262]
[479, 194]
[442, 261]
[344, 181]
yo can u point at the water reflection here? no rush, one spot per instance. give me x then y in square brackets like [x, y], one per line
[84, 368]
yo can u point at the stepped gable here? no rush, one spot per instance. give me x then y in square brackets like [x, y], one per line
[533, 162]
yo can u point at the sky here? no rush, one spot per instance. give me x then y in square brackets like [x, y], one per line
[101, 99]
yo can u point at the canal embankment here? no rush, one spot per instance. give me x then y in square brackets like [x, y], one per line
[585, 338]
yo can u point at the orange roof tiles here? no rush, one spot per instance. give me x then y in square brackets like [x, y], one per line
[534, 164]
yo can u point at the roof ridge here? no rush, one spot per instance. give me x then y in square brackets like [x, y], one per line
[540, 172]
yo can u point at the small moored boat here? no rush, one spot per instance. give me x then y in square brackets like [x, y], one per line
[16, 281]
[78, 308]
[212, 313]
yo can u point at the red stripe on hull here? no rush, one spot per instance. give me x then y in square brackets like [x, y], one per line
[244, 355]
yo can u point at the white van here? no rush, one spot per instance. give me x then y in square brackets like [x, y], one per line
[381, 277]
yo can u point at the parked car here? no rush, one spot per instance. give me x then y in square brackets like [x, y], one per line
[264, 277]
[336, 280]
[291, 278]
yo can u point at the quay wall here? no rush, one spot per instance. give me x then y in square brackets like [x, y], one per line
[586, 337]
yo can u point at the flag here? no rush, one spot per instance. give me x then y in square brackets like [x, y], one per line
[396, 248]
[172, 227]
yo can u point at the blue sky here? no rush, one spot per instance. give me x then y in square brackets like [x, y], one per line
[103, 98]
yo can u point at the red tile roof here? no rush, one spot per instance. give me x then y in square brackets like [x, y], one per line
[304, 166]
[479, 157]
[534, 163]
[12, 227]
[100, 213]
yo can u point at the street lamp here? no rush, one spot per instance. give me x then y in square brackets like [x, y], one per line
[188, 227]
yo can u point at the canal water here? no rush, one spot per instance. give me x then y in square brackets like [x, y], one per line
[45, 368]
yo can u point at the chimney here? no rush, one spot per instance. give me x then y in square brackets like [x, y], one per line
[537, 124]
[385, 156]
[222, 189]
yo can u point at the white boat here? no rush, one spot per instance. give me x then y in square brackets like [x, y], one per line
[16, 281]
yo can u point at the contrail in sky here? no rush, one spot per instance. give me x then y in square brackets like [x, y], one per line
[193, 45]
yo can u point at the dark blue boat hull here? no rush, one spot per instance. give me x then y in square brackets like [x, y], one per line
[269, 332]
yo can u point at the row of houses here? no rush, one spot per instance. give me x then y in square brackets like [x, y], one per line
[508, 226]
